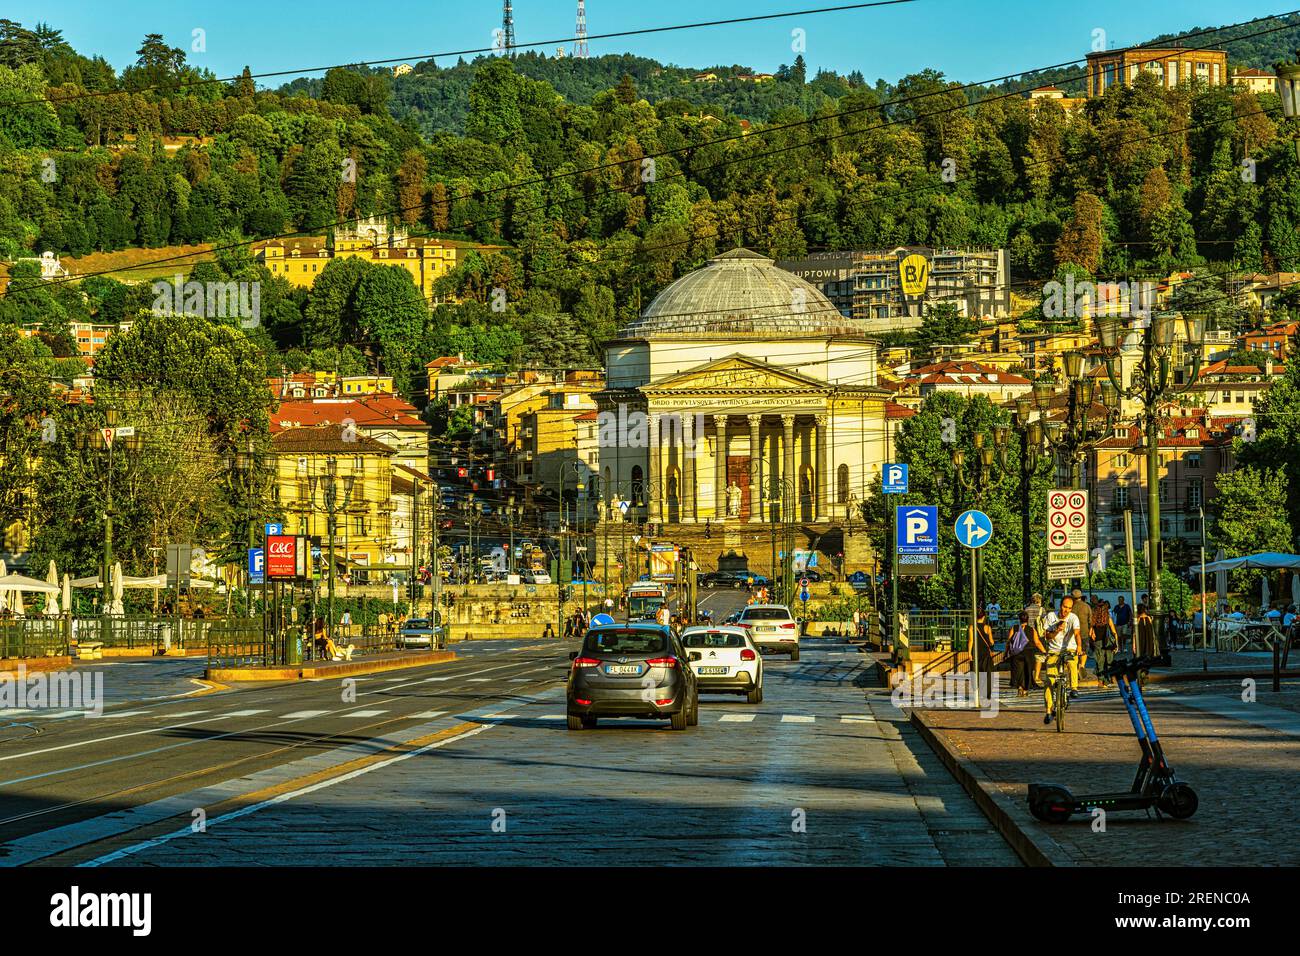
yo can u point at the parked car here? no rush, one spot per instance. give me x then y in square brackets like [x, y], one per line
[772, 628]
[722, 579]
[728, 663]
[534, 577]
[632, 670]
[811, 574]
[420, 632]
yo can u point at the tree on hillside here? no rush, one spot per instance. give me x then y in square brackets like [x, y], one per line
[1081, 239]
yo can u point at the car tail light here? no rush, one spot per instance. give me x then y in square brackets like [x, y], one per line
[748, 655]
[666, 700]
[661, 662]
[580, 702]
[586, 662]
[789, 627]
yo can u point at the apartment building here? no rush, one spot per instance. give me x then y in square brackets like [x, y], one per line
[1171, 66]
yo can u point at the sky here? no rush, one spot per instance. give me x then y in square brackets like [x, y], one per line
[968, 40]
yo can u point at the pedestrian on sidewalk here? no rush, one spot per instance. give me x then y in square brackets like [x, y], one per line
[1105, 640]
[1123, 622]
[1034, 609]
[1020, 648]
[1144, 633]
[984, 634]
[1083, 611]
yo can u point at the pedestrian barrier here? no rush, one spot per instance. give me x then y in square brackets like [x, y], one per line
[937, 630]
[33, 637]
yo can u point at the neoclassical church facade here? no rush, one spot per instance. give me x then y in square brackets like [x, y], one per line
[741, 398]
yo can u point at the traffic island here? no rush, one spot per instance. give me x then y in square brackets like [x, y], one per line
[1239, 758]
[322, 670]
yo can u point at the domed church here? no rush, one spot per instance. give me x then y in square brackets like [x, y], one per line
[738, 399]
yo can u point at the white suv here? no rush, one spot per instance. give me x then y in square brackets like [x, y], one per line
[725, 660]
[772, 628]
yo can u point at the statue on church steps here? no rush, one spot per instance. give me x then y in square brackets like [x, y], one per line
[733, 500]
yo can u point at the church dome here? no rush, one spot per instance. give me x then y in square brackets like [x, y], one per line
[740, 293]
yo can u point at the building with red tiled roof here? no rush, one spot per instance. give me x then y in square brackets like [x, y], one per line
[968, 379]
[385, 418]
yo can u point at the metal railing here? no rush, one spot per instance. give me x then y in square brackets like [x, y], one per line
[33, 637]
[938, 630]
[236, 643]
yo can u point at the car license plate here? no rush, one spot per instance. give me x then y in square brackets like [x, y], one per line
[762, 627]
[622, 668]
[714, 670]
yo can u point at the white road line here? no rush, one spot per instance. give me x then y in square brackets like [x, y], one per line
[301, 714]
[736, 718]
[797, 719]
[367, 713]
[856, 719]
[550, 717]
[60, 714]
[521, 680]
[428, 714]
[184, 713]
[126, 713]
[244, 713]
[479, 680]
[430, 680]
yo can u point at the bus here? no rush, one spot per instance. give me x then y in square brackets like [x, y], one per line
[644, 599]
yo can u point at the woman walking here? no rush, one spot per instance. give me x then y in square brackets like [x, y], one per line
[1020, 648]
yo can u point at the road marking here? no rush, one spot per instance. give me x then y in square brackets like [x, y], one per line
[736, 718]
[550, 717]
[244, 713]
[301, 714]
[480, 680]
[428, 714]
[521, 680]
[856, 719]
[277, 794]
[124, 713]
[60, 714]
[184, 713]
[430, 680]
[367, 713]
[797, 719]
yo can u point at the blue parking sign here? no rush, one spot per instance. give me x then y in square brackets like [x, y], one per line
[256, 565]
[893, 480]
[917, 529]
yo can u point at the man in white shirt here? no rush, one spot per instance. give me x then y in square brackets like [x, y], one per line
[1060, 633]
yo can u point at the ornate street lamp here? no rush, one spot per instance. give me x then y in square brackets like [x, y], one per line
[1152, 384]
[1070, 438]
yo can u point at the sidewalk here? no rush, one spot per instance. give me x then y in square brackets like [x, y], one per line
[1242, 758]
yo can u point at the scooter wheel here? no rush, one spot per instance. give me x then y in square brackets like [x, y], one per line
[1051, 804]
[1178, 801]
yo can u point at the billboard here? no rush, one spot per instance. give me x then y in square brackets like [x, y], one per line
[286, 557]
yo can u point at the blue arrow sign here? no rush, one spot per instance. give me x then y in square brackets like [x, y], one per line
[917, 529]
[893, 480]
[973, 528]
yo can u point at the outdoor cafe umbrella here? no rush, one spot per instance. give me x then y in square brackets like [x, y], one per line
[1295, 589]
[4, 601]
[67, 593]
[115, 583]
[52, 599]
[1264, 594]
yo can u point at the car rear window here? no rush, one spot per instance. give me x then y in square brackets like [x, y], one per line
[629, 641]
[720, 639]
[417, 622]
[766, 614]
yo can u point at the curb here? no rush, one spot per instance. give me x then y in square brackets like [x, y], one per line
[310, 671]
[1040, 850]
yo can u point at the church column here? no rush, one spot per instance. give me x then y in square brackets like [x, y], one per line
[686, 460]
[720, 467]
[790, 487]
[755, 469]
[654, 486]
[822, 477]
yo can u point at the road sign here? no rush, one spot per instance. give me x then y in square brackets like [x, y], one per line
[859, 579]
[273, 528]
[917, 529]
[803, 595]
[803, 583]
[1067, 533]
[256, 565]
[893, 480]
[973, 528]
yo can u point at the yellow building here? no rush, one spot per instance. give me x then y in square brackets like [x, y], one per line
[307, 461]
[1171, 65]
[427, 260]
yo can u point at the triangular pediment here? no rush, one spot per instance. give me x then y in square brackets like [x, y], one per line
[735, 373]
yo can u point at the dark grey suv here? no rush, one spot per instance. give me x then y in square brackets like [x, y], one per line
[632, 670]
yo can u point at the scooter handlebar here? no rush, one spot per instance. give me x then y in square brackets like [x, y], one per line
[1129, 666]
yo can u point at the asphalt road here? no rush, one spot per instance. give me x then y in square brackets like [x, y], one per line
[470, 762]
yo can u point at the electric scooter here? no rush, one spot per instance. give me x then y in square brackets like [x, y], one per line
[1154, 788]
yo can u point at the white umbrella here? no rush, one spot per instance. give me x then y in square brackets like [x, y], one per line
[1295, 589]
[67, 593]
[52, 600]
[1264, 594]
[115, 608]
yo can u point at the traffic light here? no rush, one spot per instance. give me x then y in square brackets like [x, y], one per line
[462, 472]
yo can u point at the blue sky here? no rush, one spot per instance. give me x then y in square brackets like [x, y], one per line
[969, 40]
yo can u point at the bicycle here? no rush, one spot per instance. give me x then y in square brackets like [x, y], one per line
[1058, 679]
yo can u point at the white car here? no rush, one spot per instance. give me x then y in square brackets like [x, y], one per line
[535, 577]
[725, 660]
[772, 628]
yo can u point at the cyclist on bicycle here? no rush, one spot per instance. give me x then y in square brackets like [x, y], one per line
[1061, 637]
